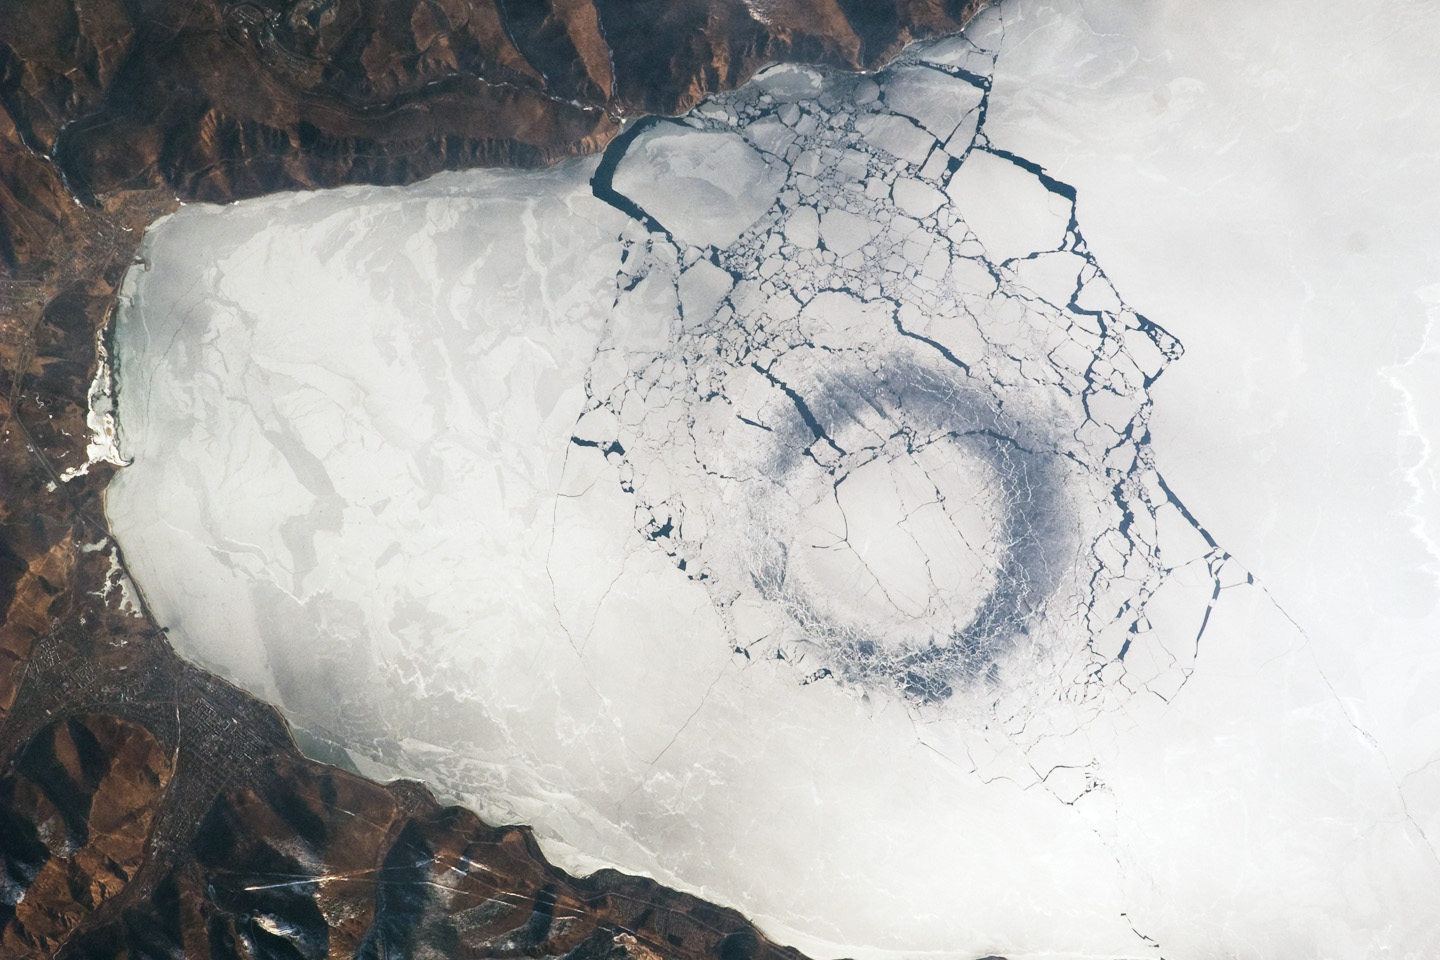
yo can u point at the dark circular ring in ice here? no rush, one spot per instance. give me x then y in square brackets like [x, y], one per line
[908, 529]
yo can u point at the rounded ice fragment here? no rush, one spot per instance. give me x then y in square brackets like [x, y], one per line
[704, 187]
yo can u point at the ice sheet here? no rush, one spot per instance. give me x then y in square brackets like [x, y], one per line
[837, 540]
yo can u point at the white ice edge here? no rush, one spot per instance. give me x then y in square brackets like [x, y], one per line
[103, 445]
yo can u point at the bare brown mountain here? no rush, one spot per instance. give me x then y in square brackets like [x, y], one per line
[148, 809]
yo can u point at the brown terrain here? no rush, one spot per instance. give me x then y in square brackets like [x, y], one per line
[147, 808]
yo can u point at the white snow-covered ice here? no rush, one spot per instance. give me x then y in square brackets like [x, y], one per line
[986, 507]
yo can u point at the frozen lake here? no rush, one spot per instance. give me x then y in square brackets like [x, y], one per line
[986, 507]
